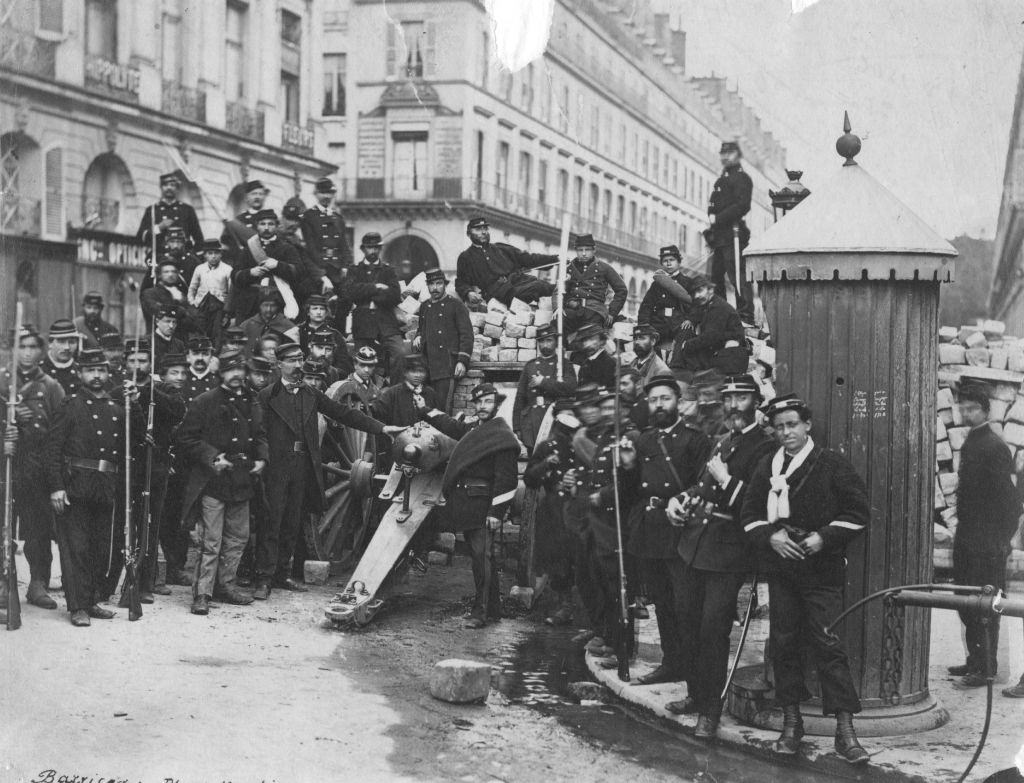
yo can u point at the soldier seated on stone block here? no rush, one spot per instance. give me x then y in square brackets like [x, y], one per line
[496, 271]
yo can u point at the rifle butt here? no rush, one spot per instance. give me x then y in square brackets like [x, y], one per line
[13, 601]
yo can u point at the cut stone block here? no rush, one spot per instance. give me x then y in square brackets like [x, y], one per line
[951, 353]
[944, 399]
[542, 317]
[941, 534]
[492, 331]
[489, 354]
[998, 358]
[948, 482]
[993, 328]
[459, 681]
[514, 330]
[1016, 411]
[957, 436]
[997, 410]
[943, 452]
[508, 355]
[947, 334]
[940, 429]
[546, 303]
[526, 354]
[496, 306]
[972, 337]
[996, 427]
[531, 332]
[508, 342]
[1015, 359]
[958, 420]
[1007, 392]
[316, 572]
[978, 357]
[477, 319]
[519, 306]
[523, 318]
[527, 342]
[1013, 434]
[494, 317]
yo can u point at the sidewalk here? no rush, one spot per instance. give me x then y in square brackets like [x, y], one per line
[937, 756]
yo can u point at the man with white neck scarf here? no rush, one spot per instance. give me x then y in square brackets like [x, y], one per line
[804, 504]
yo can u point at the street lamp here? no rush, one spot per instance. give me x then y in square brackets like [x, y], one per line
[789, 195]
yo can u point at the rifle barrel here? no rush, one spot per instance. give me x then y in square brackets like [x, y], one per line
[11, 573]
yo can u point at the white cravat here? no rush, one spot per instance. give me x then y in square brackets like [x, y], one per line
[778, 496]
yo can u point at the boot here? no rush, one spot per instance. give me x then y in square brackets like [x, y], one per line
[846, 740]
[37, 595]
[707, 726]
[788, 743]
[201, 604]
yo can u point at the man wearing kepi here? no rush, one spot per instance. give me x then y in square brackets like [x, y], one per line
[988, 508]
[539, 386]
[294, 479]
[666, 459]
[715, 552]
[223, 442]
[445, 337]
[479, 483]
[729, 203]
[84, 459]
[587, 282]
[485, 271]
[803, 506]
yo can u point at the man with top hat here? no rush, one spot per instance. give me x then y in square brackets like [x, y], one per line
[169, 213]
[587, 283]
[294, 479]
[209, 289]
[326, 237]
[59, 361]
[539, 386]
[403, 403]
[719, 342]
[360, 388]
[83, 462]
[479, 483]
[317, 312]
[266, 262]
[90, 323]
[223, 445]
[803, 505]
[268, 320]
[38, 398]
[242, 226]
[372, 288]
[715, 551]
[662, 462]
[445, 337]
[485, 271]
[201, 376]
[727, 206]
[666, 304]
[592, 357]
[646, 360]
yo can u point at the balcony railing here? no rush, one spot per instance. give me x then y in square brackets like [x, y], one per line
[243, 121]
[100, 214]
[296, 137]
[106, 247]
[19, 215]
[185, 102]
[22, 51]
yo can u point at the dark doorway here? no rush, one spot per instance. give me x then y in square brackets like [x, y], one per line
[418, 251]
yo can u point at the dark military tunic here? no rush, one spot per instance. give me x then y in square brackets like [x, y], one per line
[553, 542]
[246, 287]
[663, 308]
[66, 375]
[355, 393]
[92, 331]
[729, 203]
[165, 345]
[588, 282]
[197, 384]
[598, 368]
[342, 360]
[718, 323]
[183, 217]
[326, 238]
[531, 403]
[373, 315]
[497, 270]
[446, 334]
[395, 405]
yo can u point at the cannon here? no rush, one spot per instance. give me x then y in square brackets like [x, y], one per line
[411, 490]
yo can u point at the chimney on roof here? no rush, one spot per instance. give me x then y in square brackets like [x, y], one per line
[677, 48]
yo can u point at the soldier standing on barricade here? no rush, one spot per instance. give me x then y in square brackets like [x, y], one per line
[326, 238]
[662, 462]
[209, 289]
[266, 262]
[445, 338]
[372, 287]
[586, 289]
[238, 229]
[38, 398]
[485, 271]
[553, 541]
[668, 301]
[223, 444]
[170, 213]
[84, 459]
[803, 506]
[59, 362]
[715, 552]
[539, 386]
[729, 203]
[90, 324]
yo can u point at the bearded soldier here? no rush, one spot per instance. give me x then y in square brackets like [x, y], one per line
[445, 337]
[170, 213]
[485, 271]
[90, 324]
[539, 386]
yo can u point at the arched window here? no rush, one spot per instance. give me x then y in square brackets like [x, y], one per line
[410, 248]
[21, 184]
[107, 194]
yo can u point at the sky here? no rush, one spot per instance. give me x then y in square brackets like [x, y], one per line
[929, 85]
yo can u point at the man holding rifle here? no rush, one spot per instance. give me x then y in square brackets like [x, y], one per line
[84, 460]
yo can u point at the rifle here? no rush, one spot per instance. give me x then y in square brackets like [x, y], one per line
[13, 602]
[563, 254]
[130, 594]
[147, 489]
[625, 633]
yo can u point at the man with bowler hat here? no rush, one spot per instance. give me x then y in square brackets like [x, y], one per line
[495, 271]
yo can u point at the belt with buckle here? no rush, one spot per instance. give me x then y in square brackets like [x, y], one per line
[100, 465]
[299, 447]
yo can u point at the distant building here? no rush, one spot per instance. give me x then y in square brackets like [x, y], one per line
[1006, 301]
[427, 128]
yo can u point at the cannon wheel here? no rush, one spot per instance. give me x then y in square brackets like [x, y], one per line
[339, 533]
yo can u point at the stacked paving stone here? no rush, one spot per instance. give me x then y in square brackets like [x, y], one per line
[509, 334]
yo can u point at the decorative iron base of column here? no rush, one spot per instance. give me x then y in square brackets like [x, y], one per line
[750, 702]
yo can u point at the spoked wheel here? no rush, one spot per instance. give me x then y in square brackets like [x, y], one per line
[339, 533]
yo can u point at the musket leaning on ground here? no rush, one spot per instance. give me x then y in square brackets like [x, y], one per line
[130, 595]
[622, 653]
[13, 602]
[147, 489]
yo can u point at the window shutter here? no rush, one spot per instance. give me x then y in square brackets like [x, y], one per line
[429, 51]
[53, 219]
[390, 49]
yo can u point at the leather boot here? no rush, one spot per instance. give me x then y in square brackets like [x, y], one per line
[37, 595]
[846, 740]
[788, 743]
[707, 726]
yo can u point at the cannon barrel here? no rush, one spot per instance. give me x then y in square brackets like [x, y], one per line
[422, 447]
[980, 604]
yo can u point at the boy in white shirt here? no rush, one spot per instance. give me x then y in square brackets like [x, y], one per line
[209, 289]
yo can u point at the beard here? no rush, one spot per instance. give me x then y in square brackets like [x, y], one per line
[641, 350]
[739, 420]
[485, 415]
[665, 418]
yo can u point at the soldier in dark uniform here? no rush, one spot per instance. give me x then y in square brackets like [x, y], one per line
[479, 483]
[539, 386]
[83, 460]
[310, 278]
[360, 388]
[238, 230]
[265, 262]
[716, 553]
[200, 376]
[553, 541]
[165, 339]
[316, 321]
[667, 303]
[729, 203]
[294, 479]
[803, 506]
[372, 287]
[632, 400]
[261, 372]
[397, 404]
[326, 237]
[38, 398]
[720, 342]
[90, 323]
[445, 337]
[170, 213]
[321, 352]
[59, 362]
[586, 289]
[592, 357]
[662, 462]
[167, 291]
[485, 271]
[224, 446]
[647, 362]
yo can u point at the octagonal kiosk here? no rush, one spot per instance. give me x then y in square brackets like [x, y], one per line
[850, 284]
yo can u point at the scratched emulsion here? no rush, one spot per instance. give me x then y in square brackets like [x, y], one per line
[520, 30]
